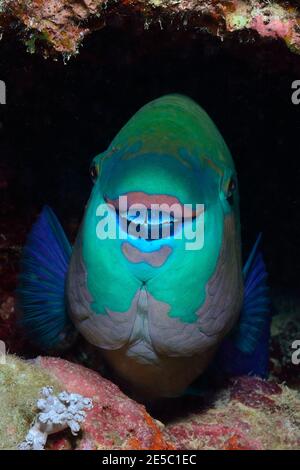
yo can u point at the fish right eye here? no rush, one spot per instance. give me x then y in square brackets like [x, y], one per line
[94, 172]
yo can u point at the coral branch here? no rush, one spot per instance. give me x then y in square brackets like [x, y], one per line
[56, 414]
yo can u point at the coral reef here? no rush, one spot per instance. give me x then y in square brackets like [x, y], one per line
[60, 26]
[248, 413]
[251, 414]
[55, 414]
[285, 330]
[114, 421]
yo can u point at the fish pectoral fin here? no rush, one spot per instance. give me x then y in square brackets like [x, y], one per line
[255, 314]
[246, 350]
[41, 284]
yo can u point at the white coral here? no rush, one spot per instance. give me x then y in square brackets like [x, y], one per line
[56, 413]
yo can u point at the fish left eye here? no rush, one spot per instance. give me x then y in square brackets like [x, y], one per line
[231, 190]
[94, 172]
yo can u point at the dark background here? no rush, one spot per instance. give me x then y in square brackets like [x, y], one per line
[58, 117]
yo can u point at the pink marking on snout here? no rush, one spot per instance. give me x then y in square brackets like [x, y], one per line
[141, 199]
[154, 258]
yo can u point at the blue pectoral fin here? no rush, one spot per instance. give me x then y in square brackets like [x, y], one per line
[246, 351]
[41, 286]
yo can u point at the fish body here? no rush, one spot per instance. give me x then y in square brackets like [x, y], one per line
[159, 307]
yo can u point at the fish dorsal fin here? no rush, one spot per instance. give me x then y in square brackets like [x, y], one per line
[41, 286]
[255, 312]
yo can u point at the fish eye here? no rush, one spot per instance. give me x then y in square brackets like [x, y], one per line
[231, 190]
[94, 172]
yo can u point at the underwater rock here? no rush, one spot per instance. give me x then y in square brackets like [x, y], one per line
[56, 24]
[20, 385]
[115, 421]
[285, 331]
[60, 26]
[12, 236]
[251, 414]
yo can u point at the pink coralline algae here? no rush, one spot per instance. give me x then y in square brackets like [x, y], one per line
[247, 414]
[268, 19]
[254, 392]
[114, 422]
[251, 414]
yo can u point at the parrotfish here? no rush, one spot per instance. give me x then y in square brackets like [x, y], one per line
[162, 293]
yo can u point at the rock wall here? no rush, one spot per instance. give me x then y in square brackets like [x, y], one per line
[59, 26]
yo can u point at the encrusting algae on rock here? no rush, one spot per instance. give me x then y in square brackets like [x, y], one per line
[59, 27]
[248, 414]
[20, 385]
[251, 414]
[114, 422]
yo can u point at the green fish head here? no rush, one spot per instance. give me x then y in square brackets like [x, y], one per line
[171, 155]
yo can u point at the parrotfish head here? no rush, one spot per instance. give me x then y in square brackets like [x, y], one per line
[160, 236]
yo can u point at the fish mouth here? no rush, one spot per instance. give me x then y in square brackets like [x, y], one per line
[151, 216]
